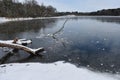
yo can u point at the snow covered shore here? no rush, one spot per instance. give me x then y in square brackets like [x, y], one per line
[3, 19]
[52, 71]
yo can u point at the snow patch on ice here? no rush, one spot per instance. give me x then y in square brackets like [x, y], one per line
[53, 71]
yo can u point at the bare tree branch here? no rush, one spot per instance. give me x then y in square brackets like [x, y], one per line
[18, 45]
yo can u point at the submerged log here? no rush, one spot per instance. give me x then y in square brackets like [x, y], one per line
[5, 58]
[19, 44]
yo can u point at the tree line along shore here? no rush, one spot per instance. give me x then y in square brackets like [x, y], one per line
[31, 8]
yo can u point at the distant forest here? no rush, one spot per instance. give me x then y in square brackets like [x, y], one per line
[106, 12]
[109, 12]
[29, 8]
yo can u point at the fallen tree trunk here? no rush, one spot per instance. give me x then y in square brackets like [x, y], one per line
[18, 45]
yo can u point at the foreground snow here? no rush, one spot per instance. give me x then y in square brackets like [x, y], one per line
[53, 71]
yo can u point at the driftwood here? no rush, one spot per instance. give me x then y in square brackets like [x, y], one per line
[57, 32]
[20, 45]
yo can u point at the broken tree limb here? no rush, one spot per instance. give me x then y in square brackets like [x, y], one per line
[19, 45]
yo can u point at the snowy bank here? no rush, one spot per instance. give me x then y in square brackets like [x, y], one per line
[3, 19]
[53, 71]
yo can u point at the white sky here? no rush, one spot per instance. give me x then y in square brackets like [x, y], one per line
[81, 5]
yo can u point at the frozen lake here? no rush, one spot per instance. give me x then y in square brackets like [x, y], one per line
[89, 42]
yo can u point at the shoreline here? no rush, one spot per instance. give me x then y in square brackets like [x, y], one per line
[5, 19]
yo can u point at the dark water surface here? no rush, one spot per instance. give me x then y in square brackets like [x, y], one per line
[92, 42]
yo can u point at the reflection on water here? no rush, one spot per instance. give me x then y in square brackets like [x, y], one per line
[110, 19]
[93, 42]
[13, 29]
